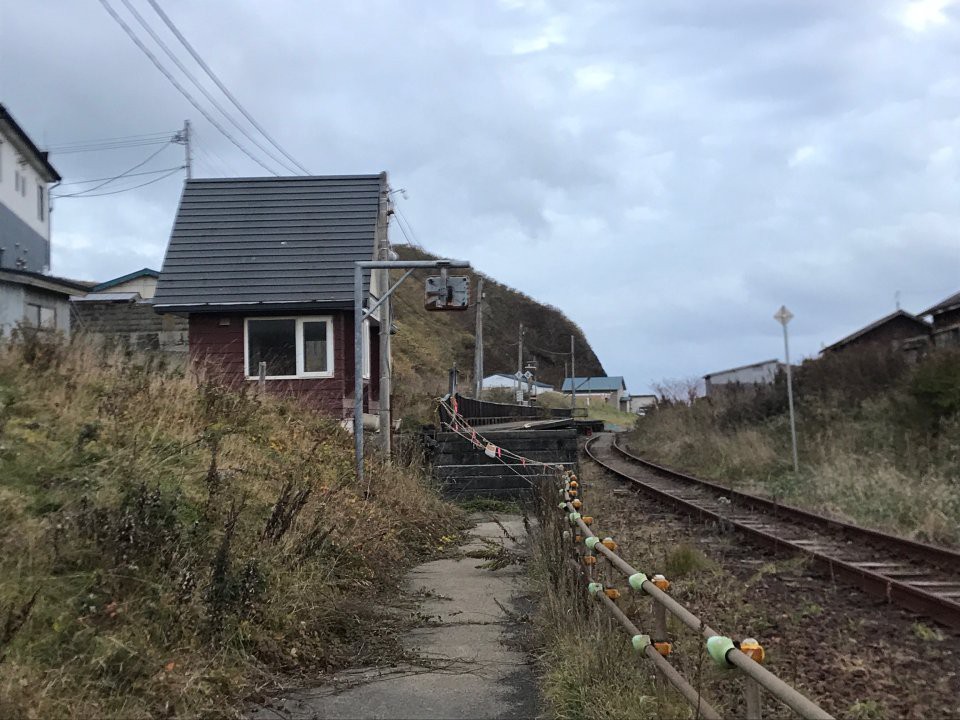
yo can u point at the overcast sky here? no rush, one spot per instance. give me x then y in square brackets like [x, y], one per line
[667, 172]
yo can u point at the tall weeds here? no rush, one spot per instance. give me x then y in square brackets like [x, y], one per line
[879, 440]
[170, 545]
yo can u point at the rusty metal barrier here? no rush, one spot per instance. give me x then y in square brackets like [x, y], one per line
[744, 656]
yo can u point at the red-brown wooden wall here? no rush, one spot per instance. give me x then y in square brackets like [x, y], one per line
[216, 343]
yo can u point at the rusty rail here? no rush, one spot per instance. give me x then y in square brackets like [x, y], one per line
[877, 578]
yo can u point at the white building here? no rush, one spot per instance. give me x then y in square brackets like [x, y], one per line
[142, 282]
[639, 404]
[761, 373]
[34, 300]
[508, 381]
[25, 178]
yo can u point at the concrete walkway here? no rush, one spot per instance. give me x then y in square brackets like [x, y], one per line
[473, 666]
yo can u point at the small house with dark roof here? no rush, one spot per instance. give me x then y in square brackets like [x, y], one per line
[34, 300]
[889, 333]
[945, 316]
[143, 282]
[611, 389]
[263, 270]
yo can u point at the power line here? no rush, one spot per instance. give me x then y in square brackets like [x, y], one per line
[129, 175]
[153, 58]
[206, 93]
[117, 177]
[108, 146]
[147, 137]
[116, 192]
[196, 56]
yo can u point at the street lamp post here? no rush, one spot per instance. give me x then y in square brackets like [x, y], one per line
[783, 317]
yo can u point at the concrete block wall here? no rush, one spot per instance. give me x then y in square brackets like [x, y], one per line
[465, 471]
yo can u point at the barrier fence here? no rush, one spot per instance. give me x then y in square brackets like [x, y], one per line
[745, 656]
[484, 412]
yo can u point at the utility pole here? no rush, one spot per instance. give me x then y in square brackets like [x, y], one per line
[520, 366]
[186, 148]
[784, 316]
[573, 376]
[386, 324]
[478, 343]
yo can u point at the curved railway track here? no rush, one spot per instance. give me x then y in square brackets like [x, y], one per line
[919, 577]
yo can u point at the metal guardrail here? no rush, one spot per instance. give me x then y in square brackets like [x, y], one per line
[484, 412]
[725, 652]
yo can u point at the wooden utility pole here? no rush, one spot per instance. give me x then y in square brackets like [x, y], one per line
[478, 344]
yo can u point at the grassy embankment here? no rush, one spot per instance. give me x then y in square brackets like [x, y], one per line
[427, 344]
[879, 441]
[171, 546]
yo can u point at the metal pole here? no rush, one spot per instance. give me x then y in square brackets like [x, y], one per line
[793, 423]
[520, 366]
[358, 369]
[386, 380]
[478, 343]
[751, 691]
[358, 315]
[186, 146]
[573, 376]
[262, 378]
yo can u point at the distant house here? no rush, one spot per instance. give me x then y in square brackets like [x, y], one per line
[143, 282]
[611, 390]
[121, 311]
[25, 178]
[35, 300]
[891, 332]
[945, 316]
[639, 404]
[263, 268]
[508, 381]
[759, 373]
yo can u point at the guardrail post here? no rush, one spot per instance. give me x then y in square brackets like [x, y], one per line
[751, 693]
[262, 378]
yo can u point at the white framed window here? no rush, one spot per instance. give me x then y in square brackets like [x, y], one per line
[41, 202]
[292, 347]
[39, 316]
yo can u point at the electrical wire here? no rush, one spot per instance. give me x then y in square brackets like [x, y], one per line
[117, 177]
[114, 146]
[196, 56]
[206, 93]
[129, 175]
[183, 91]
[82, 145]
[116, 192]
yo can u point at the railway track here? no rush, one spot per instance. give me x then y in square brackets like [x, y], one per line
[916, 576]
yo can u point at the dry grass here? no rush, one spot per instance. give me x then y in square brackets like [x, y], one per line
[187, 544]
[879, 459]
[588, 670]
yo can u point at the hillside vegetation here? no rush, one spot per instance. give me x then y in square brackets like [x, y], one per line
[428, 343]
[170, 545]
[879, 440]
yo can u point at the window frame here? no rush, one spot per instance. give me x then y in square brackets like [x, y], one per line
[301, 374]
[41, 203]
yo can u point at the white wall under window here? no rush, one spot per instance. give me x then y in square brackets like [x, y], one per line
[292, 347]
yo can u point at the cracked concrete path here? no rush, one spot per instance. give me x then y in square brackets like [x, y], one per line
[474, 667]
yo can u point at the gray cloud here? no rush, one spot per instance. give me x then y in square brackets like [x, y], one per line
[666, 173]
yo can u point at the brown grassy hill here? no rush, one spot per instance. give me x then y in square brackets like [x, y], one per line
[428, 343]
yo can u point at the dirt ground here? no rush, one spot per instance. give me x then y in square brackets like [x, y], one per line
[855, 655]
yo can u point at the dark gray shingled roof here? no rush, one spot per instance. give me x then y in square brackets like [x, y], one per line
[259, 242]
